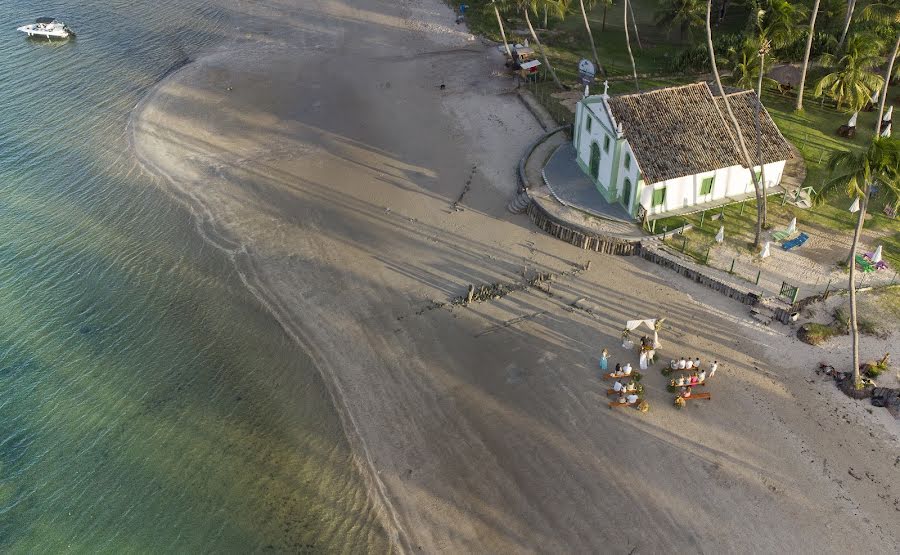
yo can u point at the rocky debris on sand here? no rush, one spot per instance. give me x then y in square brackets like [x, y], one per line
[888, 398]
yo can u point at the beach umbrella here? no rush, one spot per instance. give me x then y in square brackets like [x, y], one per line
[855, 206]
[887, 131]
[765, 252]
[889, 114]
[792, 227]
[720, 236]
[852, 122]
[876, 258]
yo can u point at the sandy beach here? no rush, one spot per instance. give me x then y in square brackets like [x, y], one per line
[319, 150]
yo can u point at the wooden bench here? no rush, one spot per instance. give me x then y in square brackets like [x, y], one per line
[614, 377]
[688, 384]
[705, 395]
[618, 404]
[613, 391]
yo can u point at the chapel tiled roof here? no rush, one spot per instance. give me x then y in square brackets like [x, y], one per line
[680, 131]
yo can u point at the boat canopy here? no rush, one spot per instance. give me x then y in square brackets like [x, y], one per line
[45, 20]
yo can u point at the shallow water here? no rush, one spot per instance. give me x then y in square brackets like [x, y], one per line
[147, 402]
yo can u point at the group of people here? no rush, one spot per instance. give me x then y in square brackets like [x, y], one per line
[686, 382]
[628, 393]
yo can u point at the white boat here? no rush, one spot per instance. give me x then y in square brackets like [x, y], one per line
[47, 27]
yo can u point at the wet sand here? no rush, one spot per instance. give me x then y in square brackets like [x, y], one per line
[319, 150]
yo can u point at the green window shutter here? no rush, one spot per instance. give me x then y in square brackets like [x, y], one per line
[588, 123]
[706, 185]
[659, 197]
[606, 143]
[627, 161]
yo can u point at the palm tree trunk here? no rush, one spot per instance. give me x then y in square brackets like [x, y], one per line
[502, 31]
[628, 44]
[854, 329]
[887, 80]
[851, 5]
[591, 38]
[761, 208]
[637, 35]
[809, 41]
[537, 41]
[737, 130]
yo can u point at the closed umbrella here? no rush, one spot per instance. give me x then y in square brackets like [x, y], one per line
[876, 258]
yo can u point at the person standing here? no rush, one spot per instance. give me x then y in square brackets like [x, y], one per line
[713, 367]
[604, 360]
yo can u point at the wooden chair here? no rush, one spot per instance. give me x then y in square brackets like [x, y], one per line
[614, 392]
[705, 395]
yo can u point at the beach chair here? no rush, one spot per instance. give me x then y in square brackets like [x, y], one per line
[796, 242]
[780, 236]
[864, 264]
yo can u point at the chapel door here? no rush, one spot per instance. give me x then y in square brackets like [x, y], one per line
[595, 160]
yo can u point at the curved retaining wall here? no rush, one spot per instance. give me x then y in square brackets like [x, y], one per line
[578, 237]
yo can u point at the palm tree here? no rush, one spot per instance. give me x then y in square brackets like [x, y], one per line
[556, 6]
[859, 172]
[502, 30]
[809, 41]
[628, 44]
[637, 35]
[587, 26]
[852, 83]
[746, 63]
[780, 22]
[851, 6]
[887, 13]
[742, 147]
[687, 15]
[606, 5]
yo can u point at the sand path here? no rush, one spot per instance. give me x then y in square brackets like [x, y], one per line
[319, 151]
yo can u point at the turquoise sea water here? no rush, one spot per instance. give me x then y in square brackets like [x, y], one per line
[147, 403]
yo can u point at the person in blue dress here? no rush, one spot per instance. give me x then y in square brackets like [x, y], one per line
[604, 360]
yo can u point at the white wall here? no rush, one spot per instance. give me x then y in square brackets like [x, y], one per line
[600, 128]
[729, 182]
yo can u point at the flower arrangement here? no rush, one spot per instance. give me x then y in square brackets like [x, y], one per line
[644, 406]
[626, 333]
[680, 402]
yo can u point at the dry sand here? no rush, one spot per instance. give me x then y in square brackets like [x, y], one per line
[319, 151]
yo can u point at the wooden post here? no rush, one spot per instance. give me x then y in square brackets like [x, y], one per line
[702, 217]
[683, 243]
[471, 294]
[731, 271]
[706, 261]
[828, 286]
[742, 208]
[722, 214]
[757, 276]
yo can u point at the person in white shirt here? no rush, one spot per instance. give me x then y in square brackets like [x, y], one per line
[701, 377]
[631, 399]
[682, 364]
[688, 364]
[697, 363]
[627, 369]
[617, 387]
[712, 368]
[673, 364]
